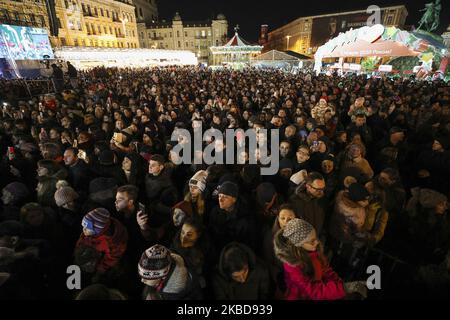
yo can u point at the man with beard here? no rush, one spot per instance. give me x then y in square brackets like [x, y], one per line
[77, 168]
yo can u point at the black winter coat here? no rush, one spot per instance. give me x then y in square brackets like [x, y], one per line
[237, 225]
[256, 287]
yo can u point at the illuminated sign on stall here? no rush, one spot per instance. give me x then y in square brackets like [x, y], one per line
[385, 68]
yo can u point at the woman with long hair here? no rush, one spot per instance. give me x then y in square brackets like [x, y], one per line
[307, 273]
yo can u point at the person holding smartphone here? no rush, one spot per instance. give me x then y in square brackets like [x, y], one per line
[128, 209]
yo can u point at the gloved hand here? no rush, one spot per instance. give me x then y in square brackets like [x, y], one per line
[356, 287]
[299, 177]
[178, 217]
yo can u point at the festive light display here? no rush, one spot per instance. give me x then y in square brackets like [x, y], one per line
[83, 57]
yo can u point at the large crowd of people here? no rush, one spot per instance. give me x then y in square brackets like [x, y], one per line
[89, 178]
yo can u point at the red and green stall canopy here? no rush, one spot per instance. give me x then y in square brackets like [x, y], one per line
[380, 41]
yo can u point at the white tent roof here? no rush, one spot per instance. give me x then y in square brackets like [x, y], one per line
[237, 44]
[275, 55]
[237, 41]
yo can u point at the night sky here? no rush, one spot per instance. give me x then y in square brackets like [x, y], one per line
[250, 14]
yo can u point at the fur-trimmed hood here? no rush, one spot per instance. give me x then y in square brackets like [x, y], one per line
[301, 192]
[426, 198]
[350, 209]
[284, 251]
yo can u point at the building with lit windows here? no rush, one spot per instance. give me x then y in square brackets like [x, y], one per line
[97, 23]
[32, 13]
[85, 23]
[177, 34]
[306, 34]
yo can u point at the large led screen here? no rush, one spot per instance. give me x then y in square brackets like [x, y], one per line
[24, 43]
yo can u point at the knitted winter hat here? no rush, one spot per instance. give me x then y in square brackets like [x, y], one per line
[199, 180]
[297, 231]
[97, 220]
[357, 192]
[64, 194]
[155, 263]
[106, 157]
[18, 190]
[229, 188]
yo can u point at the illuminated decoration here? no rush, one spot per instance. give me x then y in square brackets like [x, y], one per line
[381, 42]
[236, 52]
[84, 57]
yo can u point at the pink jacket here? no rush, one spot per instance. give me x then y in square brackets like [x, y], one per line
[300, 286]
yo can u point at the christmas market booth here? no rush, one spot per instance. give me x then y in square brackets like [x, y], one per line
[378, 45]
[236, 53]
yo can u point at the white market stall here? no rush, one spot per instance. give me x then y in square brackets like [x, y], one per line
[86, 57]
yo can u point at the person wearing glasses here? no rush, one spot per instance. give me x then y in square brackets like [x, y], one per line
[308, 201]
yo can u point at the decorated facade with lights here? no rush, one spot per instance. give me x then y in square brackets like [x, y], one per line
[195, 36]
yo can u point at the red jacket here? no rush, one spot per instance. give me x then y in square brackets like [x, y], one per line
[326, 284]
[110, 246]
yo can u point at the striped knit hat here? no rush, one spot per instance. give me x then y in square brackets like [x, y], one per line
[97, 220]
[155, 263]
